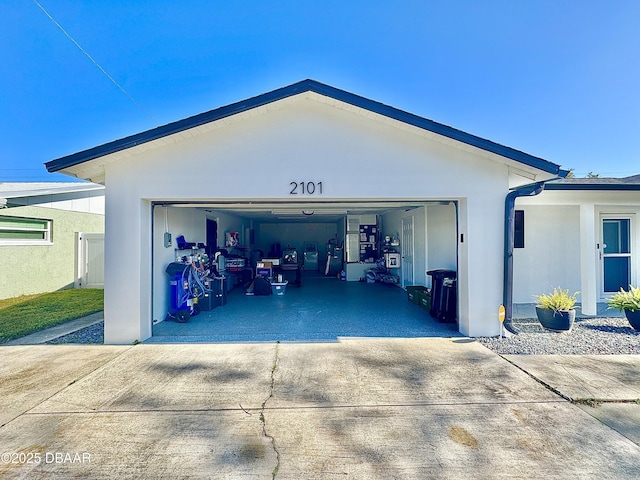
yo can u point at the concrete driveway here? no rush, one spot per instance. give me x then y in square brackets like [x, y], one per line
[358, 408]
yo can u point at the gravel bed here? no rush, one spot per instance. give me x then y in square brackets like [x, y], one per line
[589, 336]
[93, 334]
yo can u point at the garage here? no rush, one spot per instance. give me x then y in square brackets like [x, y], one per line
[301, 166]
[335, 269]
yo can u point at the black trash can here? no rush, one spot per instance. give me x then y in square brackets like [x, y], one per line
[443, 295]
[208, 301]
[220, 289]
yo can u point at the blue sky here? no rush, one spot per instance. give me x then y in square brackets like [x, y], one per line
[556, 79]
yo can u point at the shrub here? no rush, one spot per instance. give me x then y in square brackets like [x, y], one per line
[626, 300]
[558, 300]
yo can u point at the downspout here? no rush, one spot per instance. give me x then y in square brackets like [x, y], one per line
[509, 234]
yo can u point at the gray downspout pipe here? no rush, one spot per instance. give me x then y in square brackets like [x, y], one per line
[509, 234]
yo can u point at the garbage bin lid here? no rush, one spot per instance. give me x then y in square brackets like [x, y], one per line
[442, 273]
[175, 268]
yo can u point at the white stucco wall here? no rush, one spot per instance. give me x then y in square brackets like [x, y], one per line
[563, 240]
[353, 156]
[551, 256]
[29, 269]
[128, 252]
[480, 261]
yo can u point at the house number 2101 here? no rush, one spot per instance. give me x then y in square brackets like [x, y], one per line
[305, 188]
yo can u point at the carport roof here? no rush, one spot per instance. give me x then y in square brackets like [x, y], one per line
[35, 189]
[288, 91]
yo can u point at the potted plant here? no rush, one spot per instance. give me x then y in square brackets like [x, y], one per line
[629, 303]
[556, 310]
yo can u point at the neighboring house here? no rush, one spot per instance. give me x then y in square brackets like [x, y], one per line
[41, 249]
[581, 234]
[305, 156]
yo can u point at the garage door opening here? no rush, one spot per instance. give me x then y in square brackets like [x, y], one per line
[338, 267]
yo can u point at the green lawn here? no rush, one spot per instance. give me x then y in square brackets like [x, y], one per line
[30, 313]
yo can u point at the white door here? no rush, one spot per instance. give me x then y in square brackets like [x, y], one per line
[407, 251]
[89, 260]
[616, 250]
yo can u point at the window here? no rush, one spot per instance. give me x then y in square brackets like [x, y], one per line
[518, 239]
[25, 231]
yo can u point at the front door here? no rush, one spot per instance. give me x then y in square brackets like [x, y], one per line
[615, 253]
[407, 251]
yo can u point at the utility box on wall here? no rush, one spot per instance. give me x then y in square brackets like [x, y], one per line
[392, 260]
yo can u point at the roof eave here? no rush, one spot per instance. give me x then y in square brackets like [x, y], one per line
[592, 186]
[288, 91]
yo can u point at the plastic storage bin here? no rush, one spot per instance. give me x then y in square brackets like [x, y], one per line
[279, 288]
[414, 292]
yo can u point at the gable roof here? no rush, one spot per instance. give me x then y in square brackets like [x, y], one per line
[295, 89]
[597, 183]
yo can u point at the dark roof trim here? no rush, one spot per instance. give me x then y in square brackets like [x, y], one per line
[595, 183]
[288, 91]
[592, 186]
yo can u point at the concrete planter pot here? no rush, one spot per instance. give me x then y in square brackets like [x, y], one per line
[634, 318]
[556, 320]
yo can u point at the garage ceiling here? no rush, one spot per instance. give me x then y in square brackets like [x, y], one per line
[302, 212]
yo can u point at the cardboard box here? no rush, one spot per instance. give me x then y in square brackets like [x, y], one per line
[264, 269]
[264, 272]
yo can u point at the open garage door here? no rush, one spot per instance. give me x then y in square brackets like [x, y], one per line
[338, 265]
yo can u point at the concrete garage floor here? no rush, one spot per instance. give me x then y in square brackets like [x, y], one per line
[323, 309]
[360, 409]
